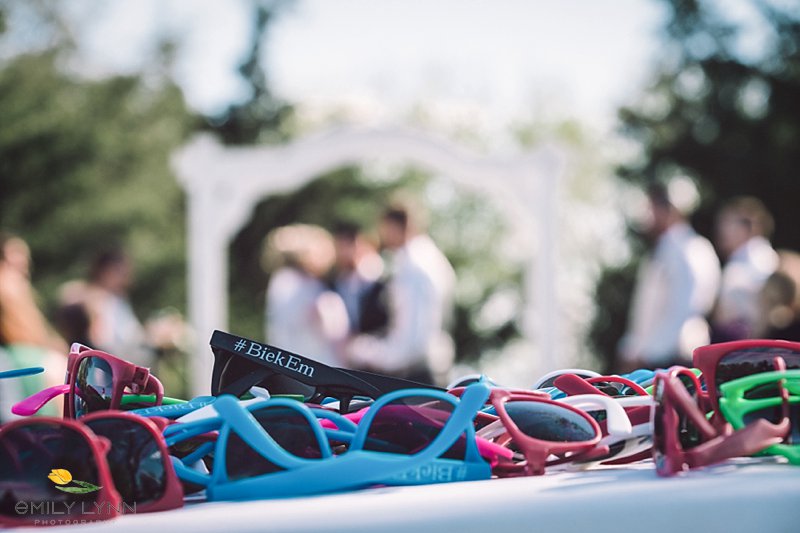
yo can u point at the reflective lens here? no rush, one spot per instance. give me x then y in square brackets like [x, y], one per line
[136, 462]
[409, 424]
[94, 386]
[740, 363]
[288, 427]
[29, 489]
[550, 422]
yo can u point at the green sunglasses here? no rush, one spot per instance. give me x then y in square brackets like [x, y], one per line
[771, 395]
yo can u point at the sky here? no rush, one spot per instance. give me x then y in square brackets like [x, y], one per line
[496, 60]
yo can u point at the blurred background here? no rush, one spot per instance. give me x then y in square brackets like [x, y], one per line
[96, 96]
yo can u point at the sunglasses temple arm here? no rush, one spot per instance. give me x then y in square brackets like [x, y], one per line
[687, 405]
[154, 386]
[752, 439]
[573, 385]
[33, 403]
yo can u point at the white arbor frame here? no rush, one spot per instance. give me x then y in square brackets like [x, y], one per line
[225, 184]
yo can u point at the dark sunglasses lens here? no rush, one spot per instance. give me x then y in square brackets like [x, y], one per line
[549, 422]
[29, 489]
[137, 464]
[688, 434]
[689, 384]
[408, 425]
[774, 413]
[94, 386]
[290, 430]
[614, 388]
[746, 362]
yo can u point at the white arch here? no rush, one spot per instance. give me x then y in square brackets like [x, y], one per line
[224, 184]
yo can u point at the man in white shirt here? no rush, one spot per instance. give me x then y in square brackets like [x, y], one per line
[743, 229]
[675, 287]
[420, 294]
[356, 277]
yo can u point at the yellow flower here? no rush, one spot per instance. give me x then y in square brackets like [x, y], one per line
[60, 476]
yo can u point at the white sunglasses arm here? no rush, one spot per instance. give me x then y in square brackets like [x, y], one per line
[617, 422]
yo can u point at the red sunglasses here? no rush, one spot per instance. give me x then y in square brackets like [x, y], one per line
[573, 384]
[539, 427]
[95, 381]
[727, 361]
[682, 437]
[107, 464]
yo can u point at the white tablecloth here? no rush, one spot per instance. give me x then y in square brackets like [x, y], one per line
[743, 495]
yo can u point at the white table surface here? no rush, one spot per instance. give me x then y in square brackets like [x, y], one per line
[743, 495]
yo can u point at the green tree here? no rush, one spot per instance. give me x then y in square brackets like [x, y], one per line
[261, 117]
[723, 111]
[84, 165]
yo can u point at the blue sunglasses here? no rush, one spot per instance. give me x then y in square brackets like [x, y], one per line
[279, 447]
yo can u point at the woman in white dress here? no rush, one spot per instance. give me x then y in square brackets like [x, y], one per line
[302, 314]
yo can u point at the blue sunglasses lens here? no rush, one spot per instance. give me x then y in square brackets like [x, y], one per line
[290, 430]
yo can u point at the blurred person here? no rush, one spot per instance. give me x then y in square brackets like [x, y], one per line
[113, 324]
[676, 284]
[302, 314]
[22, 321]
[779, 301]
[742, 231]
[420, 289]
[356, 277]
[26, 338]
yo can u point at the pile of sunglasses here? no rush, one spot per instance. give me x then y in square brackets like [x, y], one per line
[279, 424]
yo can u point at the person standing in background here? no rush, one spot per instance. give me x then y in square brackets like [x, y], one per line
[356, 277]
[743, 228]
[676, 284]
[113, 324]
[420, 289]
[302, 314]
[26, 338]
[779, 301]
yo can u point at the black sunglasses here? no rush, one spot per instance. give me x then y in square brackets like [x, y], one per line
[241, 363]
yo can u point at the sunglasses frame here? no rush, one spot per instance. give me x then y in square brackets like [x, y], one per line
[99, 448]
[173, 490]
[124, 375]
[735, 406]
[356, 468]
[540, 383]
[536, 450]
[671, 396]
[707, 359]
[326, 380]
